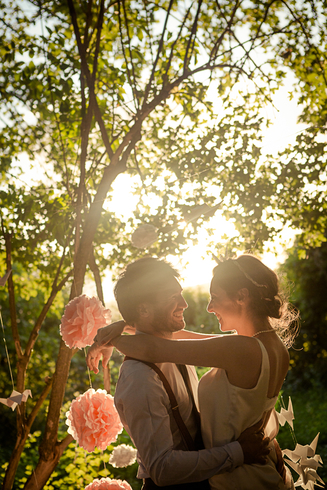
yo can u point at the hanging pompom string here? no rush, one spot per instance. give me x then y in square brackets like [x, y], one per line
[88, 370]
[7, 353]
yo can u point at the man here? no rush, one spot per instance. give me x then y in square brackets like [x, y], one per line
[149, 297]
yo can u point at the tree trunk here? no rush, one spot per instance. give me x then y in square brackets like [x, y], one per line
[44, 468]
[14, 461]
[50, 449]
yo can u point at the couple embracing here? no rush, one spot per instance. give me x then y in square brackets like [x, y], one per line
[232, 443]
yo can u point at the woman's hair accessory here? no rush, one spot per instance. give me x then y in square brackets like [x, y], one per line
[221, 259]
[247, 275]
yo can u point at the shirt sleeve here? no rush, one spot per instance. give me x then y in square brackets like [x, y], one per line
[146, 419]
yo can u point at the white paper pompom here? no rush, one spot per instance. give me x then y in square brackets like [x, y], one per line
[144, 236]
[122, 456]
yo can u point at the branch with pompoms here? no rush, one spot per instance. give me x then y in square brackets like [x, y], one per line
[92, 419]
[147, 234]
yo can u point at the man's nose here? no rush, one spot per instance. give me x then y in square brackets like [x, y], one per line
[209, 307]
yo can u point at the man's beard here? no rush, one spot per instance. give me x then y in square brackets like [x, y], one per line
[160, 320]
[163, 322]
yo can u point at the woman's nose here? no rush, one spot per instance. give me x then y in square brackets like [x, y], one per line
[182, 302]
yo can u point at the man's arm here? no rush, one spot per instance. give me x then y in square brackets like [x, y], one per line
[144, 410]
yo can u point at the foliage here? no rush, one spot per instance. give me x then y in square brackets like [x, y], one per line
[298, 197]
[309, 282]
[90, 91]
[77, 468]
[196, 316]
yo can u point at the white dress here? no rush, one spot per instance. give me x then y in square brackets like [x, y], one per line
[226, 410]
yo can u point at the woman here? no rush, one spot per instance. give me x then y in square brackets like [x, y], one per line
[248, 369]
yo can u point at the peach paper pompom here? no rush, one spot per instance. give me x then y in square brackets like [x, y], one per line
[81, 320]
[93, 420]
[108, 484]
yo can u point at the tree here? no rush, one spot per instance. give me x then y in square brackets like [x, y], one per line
[296, 195]
[98, 89]
[308, 277]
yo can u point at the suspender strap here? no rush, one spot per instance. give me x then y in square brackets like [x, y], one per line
[184, 372]
[173, 402]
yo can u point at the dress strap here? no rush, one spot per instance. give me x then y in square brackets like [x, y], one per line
[265, 366]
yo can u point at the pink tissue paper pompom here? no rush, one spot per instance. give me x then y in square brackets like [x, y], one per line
[81, 320]
[108, 484]
[93, 420]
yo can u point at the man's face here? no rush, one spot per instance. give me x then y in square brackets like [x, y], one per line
[167, 312]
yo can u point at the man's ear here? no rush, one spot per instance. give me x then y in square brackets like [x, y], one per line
[242, 296]
[144, 310]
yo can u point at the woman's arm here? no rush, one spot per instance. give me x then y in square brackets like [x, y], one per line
[229, 352]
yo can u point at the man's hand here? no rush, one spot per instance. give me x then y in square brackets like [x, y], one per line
[254, 444]
[94, 355]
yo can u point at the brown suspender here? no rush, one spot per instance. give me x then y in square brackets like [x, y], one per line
[173, 402]
[184, 372]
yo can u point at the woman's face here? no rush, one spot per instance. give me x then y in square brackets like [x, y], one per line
[226, 310]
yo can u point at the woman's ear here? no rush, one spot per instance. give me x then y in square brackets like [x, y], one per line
[242, 296]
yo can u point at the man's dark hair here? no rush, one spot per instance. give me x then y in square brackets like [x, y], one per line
[139, 283]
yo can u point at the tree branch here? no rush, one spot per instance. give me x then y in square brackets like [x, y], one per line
[217, 45]
[190, 39]
[174, 43]
[148, 87]
[62, 445]
[133, 85]
[308, 41]
[98, 39]
[35, 332]
[96, 274]
[87, 24]
[88, 77]
[11, 293]
[38, 404]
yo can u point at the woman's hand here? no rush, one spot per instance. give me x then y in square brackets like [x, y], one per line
[106, 334]
[94, 355]
[101, 346]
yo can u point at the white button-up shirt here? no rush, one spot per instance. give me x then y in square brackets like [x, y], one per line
[145, 411]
